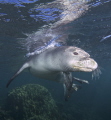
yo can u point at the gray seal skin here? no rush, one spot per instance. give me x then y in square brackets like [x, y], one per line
[57, 63]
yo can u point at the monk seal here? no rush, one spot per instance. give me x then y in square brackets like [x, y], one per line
[57, 63]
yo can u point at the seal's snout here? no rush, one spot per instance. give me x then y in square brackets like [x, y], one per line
[85, 64]
[93, 64]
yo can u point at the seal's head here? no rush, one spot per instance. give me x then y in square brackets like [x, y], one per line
[79, 60]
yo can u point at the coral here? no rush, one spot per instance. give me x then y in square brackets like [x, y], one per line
[32, 102]
[5, 115]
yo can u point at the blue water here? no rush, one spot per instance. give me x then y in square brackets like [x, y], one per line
[21, 32]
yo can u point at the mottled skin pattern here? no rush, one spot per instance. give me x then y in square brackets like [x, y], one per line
[57, 63]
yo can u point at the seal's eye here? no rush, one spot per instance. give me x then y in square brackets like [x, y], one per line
[75, 53]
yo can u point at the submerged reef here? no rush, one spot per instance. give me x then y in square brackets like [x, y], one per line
[34, 102]
[5, 115]
[31, 102]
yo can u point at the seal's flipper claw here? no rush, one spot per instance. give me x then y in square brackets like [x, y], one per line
[26, 65]
[80, 80]
[75, 87]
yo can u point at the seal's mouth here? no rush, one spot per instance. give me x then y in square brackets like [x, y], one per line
[77, 68]
[86, 65]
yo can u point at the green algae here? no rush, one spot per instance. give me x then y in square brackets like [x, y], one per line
[5, 115]
[32, 101]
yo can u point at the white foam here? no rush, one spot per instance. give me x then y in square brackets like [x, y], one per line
[48, 45]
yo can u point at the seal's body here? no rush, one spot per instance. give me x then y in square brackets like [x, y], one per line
[57, 63]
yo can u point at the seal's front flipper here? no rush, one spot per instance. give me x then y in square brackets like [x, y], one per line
[26, 65]
[66, 95]
[67, 84]
[80, 80]
[69, 87]
[68, 92]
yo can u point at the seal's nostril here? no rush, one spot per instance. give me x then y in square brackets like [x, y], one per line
[84, 58]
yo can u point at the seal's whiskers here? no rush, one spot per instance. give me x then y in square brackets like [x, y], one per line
[96, 73]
